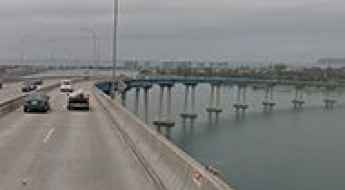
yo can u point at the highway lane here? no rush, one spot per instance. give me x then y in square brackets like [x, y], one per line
[66, 150]
[11, 90]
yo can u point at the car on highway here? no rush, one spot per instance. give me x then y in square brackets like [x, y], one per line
[37, 82]
[66, 86]
[36, 102]
[78, 100]
[28, 86]
[0, 85]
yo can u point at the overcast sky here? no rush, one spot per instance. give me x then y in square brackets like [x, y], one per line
[286, 30]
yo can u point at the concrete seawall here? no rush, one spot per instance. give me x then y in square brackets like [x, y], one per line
[169, 166]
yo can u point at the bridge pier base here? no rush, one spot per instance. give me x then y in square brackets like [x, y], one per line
[268, 103]
[215, 101]
[298, 102]
[167, 125]
[329, 103]
[164, 122]
[189, 111]
[329, 100]
[241, 106]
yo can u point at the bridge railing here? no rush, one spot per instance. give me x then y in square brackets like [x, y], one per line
[169, 166]
[236, 80]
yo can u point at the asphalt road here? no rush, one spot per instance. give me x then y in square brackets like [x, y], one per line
[66, 150]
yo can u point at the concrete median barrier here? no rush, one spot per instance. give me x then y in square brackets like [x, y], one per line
[11, 105]
[168, 166]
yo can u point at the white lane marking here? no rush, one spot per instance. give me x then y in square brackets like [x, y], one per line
[50, 133]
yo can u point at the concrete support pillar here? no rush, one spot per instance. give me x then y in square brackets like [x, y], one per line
[329, 100]
[193, 98]
[136, 103]
[298, 101]
[210, 105]
[169, 103]
[186, 95]
[272, 93]
[146, 105]
[164, 120]
[189, 107]
[218, 97]
[267, 91]
[215, 102]
[241, 104]
[211, 96]
[218, 101]
[301, 94]
[244, 95]
[238, 98]
[268, 102]
[124, 99]
[160, 106]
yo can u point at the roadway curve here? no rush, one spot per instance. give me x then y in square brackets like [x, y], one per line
[66, 150]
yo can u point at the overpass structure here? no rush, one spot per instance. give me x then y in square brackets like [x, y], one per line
[106, 148]
[166, 85]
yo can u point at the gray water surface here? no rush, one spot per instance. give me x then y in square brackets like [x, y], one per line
[285, 150]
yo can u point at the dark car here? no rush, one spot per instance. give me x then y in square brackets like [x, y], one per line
[28, 87]
[0, 85]
[37, 82]
[78, 100]
[36, 103]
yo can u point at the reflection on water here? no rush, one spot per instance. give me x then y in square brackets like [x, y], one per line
[283, 150]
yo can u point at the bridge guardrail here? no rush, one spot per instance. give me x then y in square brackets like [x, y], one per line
[15, 103]
[174, 168]
[234, 80]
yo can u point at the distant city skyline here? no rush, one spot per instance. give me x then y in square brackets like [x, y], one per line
[334, 62]
[245, 30]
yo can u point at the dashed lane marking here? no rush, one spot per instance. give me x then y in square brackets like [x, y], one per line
[49, 134]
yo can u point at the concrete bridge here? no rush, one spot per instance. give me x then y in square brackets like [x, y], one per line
[106, 148]
[188, 114]
[110, 147]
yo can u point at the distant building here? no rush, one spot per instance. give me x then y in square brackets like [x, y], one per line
[200, 65]
[147, 65]
[219, 65]
[176, 64]
[132, 64]
[331, 62]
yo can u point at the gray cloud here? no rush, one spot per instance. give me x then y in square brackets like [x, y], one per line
[196, 29]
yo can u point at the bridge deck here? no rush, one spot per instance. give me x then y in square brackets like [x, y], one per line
[66, 150]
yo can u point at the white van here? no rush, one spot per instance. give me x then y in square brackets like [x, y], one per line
[66, 86]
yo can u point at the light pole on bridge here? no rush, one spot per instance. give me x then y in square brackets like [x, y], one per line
[94, 43]
[114, 56]
[95, 46]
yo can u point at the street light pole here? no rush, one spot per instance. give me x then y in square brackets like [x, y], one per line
[95, 47]
[22, 50]
[114, 57]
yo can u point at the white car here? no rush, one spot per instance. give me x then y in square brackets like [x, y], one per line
[66, 86]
